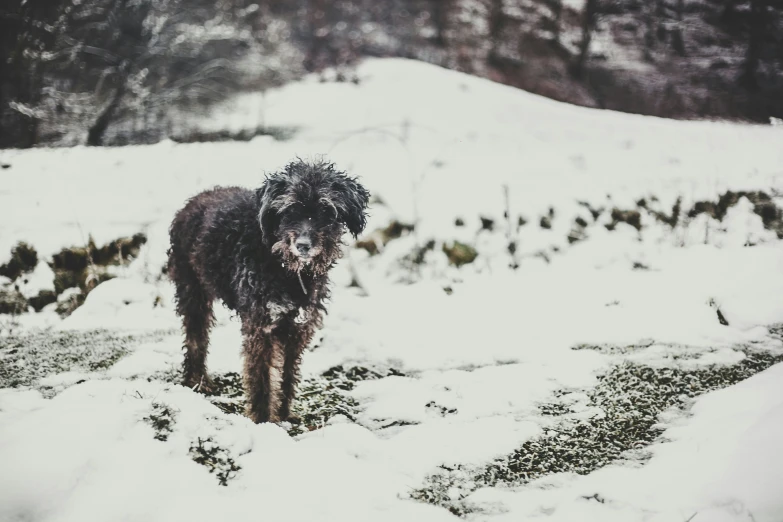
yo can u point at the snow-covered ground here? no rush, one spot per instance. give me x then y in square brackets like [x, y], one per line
[470, 355]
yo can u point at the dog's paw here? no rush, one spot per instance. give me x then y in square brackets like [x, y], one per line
[294, 419]
[200, 383]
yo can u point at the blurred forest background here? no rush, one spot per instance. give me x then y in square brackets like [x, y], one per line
[113, 72]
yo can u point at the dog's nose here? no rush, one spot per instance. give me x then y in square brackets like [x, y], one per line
[303, 246]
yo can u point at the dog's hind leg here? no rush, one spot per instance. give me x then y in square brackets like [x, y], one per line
[195, 308]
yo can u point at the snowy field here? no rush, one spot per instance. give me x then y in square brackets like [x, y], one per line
[621, 361]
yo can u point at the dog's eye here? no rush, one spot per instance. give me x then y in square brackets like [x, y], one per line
[327, 210]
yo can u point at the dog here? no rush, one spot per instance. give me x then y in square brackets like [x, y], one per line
[266, 254]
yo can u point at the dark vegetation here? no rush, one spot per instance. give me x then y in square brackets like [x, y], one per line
[374, 242]
[216, 459]
[198, 136]
[631, 397]
[27, 358]
[161, 418]
[631, 217]
[24, 258]
[318, 400]
[112, 72]
[763, 205]
[323, 397]
[82, 268]
[459, 254]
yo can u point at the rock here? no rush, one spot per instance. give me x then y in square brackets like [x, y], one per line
[459, 253]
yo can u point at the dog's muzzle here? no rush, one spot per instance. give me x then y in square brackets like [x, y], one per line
[302, 247]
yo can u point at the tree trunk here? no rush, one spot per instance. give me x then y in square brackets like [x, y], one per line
[729, 11]
[660, 14]
[496, 23]
[649, 31]
[756, 26]
[98, 129]
[440, 18]
[316, 58]
[589, 19]
[557, 15]
[678, 42]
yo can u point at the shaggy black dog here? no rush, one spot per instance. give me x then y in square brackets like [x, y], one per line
[266, 255]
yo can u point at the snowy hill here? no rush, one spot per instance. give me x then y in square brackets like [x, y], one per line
[618, 362]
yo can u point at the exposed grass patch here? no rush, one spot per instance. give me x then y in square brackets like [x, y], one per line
[26, 359]
[228, 394]
[162, 420]
[631, 397]
[615, 349]
[318, 398]
[776, 331]
[439, 410]
[555, 409]
[323, 397]
[216, 459]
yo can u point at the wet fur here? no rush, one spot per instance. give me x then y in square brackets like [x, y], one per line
[239, 246]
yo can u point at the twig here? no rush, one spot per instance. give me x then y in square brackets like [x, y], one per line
[511, 240]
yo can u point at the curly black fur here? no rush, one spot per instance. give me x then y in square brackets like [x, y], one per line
[265, 254]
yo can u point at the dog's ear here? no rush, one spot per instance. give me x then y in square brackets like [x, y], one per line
[273, 188]
[352, 199]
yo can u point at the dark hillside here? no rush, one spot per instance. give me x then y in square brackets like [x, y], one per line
[110, 72]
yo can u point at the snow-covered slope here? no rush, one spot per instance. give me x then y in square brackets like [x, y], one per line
[464, 359]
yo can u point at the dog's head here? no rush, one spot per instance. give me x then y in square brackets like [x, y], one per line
[304, 210]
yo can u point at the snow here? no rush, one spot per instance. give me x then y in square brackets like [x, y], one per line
[119, 302]
[722, 464]
[434, 145]
[42, 278]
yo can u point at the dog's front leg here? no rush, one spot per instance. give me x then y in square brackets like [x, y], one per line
[293, 355]
[306, 323]
[264, 359]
